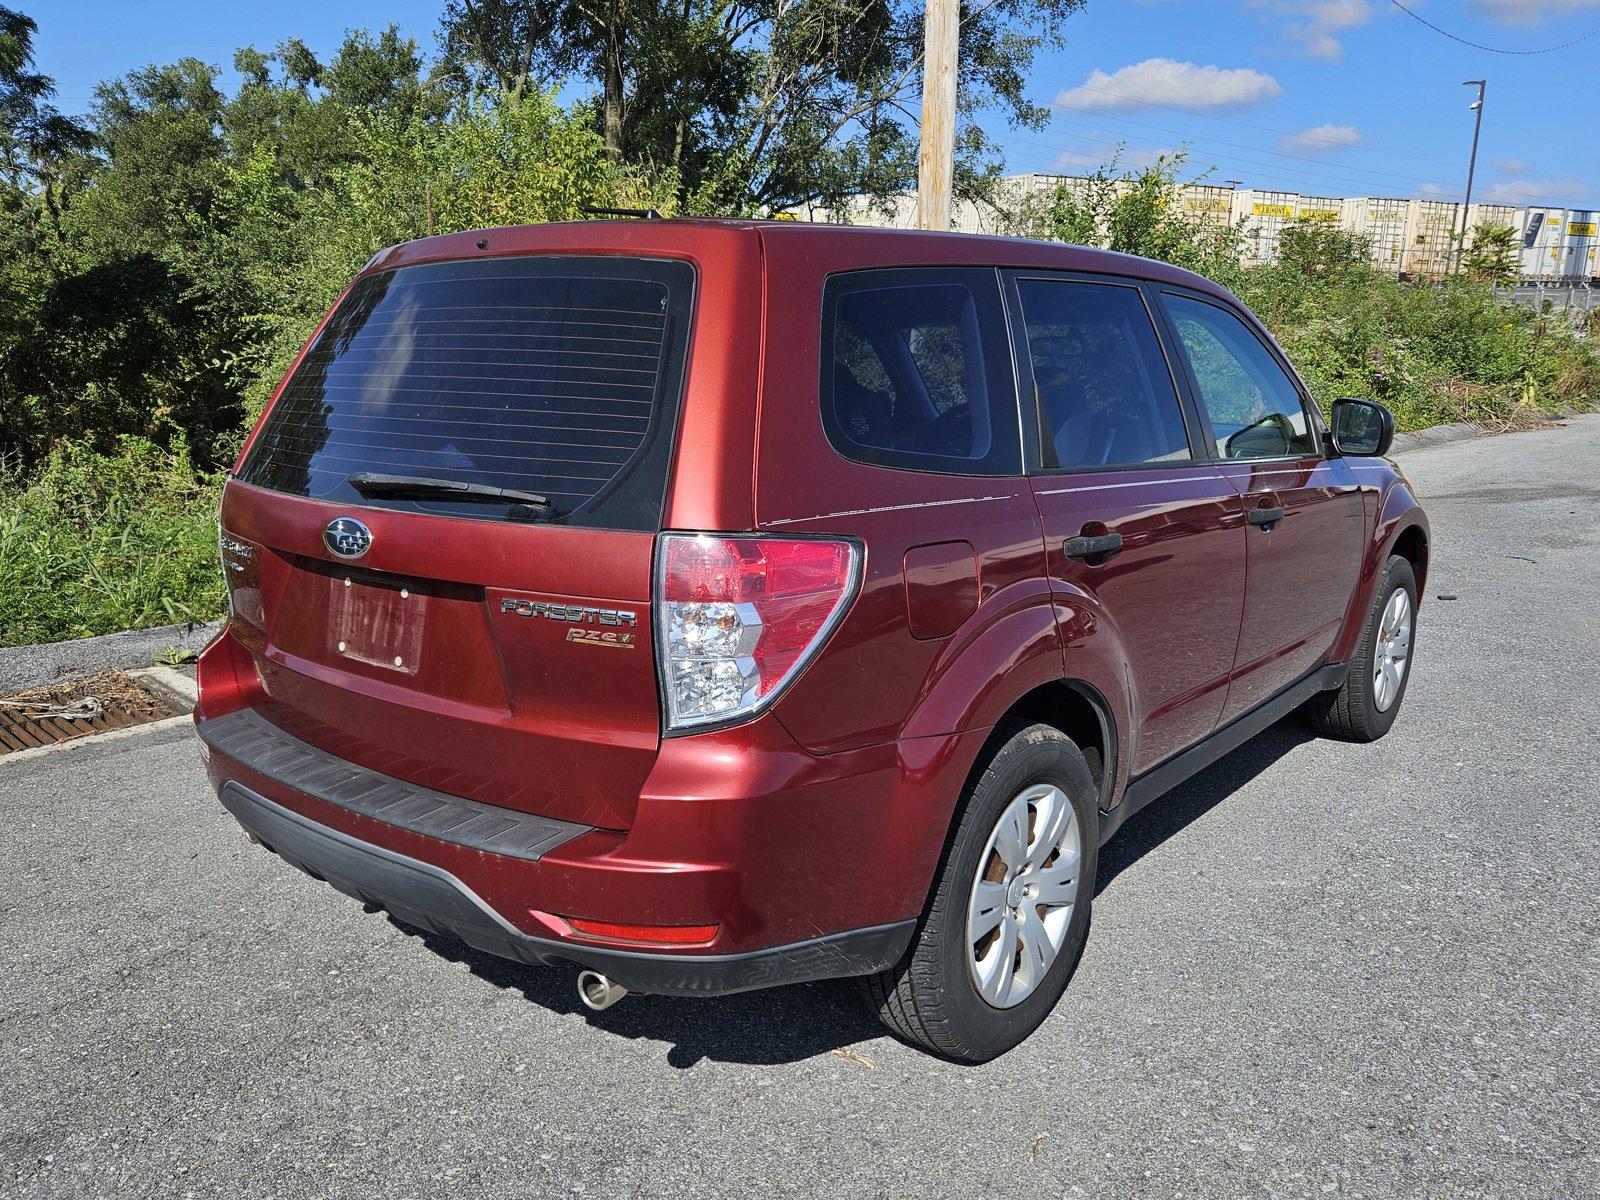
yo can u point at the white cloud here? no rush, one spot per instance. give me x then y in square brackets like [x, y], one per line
[1166, 81]
[1537, 192]
[1512, 166]
[1312, 27]
[1529, 12]
[1320, 139]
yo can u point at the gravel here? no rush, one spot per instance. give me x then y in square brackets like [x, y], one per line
[1316, 969]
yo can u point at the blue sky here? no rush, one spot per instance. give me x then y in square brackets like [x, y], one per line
[1329, 97]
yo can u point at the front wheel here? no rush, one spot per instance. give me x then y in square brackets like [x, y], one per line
[1010, 908]
[1364, 707]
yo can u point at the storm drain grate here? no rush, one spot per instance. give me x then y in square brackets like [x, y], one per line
[76, 709]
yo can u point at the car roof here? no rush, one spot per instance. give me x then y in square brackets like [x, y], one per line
[853, 246]
[926, 245]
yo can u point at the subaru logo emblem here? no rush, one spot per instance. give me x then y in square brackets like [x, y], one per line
[347, 537]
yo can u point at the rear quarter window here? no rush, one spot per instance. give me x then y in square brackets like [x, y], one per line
[917, 371]
[559, 376]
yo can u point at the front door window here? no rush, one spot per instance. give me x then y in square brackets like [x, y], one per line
[1252, 404]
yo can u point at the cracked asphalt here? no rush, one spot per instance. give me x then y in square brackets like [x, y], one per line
[1316, 969]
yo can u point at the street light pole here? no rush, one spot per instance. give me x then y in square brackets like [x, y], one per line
[1472, 166]
[936, 154]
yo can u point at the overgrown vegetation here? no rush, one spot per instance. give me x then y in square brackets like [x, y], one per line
[99, 542]
[162, 259]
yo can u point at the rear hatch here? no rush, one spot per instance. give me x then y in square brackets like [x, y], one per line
[440, 540]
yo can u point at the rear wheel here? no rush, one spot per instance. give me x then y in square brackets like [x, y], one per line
[1010, 908]
[1364, 707]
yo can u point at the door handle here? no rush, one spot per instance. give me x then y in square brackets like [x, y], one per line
[1265, 516]
[1088, 547]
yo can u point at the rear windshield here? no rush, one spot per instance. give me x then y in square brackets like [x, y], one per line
[558, 377]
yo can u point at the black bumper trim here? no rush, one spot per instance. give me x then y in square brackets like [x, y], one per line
[255, 742]
[431, 898]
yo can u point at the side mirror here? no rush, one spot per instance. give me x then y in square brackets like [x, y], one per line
[1362, 427]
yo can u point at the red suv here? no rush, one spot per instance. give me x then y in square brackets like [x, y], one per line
[722, 604]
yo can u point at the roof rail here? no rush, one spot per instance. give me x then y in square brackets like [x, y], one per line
[646, 214]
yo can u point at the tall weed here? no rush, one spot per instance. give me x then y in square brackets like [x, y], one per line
[99, 542]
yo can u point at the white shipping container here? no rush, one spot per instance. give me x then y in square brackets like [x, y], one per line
[1579, 246]
[1539, 251]
[1266, 213]
[1382, 221]
[1430, 238]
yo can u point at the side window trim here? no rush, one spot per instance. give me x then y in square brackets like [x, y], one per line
[1037, 445]
[1024, 393]
[1308, 409]
[995, 347]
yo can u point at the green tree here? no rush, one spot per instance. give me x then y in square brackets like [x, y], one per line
[1135, 212]
[158, 157]
[34, 137]
[1492, 258]
[206, 233]
[37, 146]
[755, 105]
[1323, 248]
[183, 276]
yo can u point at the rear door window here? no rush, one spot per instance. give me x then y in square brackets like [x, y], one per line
[553, 376]
[917, 371]
[1105, 395]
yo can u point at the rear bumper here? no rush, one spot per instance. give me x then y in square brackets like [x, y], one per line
[805, 866]
[429, 897]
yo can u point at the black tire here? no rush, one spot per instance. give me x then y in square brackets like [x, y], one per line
[1350, 711]
[929, 997]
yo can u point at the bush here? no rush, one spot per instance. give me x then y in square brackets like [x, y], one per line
[1134, 213]
[1433, 354]
[100, 542]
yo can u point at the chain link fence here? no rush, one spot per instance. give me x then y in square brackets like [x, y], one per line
[1577, 302]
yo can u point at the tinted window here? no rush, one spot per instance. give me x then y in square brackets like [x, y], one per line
[557, 376]
[1105, 395]
[918, 373]
[1252, 404]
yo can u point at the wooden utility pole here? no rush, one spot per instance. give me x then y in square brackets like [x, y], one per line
[936, 157]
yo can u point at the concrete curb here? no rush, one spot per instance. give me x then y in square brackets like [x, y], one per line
[1435, 435]
[174, 684]
[36, 666]
[1439, 435]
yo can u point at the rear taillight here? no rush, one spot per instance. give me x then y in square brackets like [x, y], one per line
[738, 618]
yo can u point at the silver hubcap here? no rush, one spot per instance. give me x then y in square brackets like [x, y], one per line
[1023, 897]
[1393, 651]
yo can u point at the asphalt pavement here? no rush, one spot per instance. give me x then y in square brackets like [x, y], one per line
[1316, 969]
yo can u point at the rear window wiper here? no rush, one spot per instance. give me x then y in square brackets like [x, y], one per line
[370, 483]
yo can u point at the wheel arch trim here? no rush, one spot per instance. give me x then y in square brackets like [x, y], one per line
[1398, 516]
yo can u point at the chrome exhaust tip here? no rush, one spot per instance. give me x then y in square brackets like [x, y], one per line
[597, 991]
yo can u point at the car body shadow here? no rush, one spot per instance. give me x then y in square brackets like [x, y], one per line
[788, 1024]
[768, 1027]
[1169, 815]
